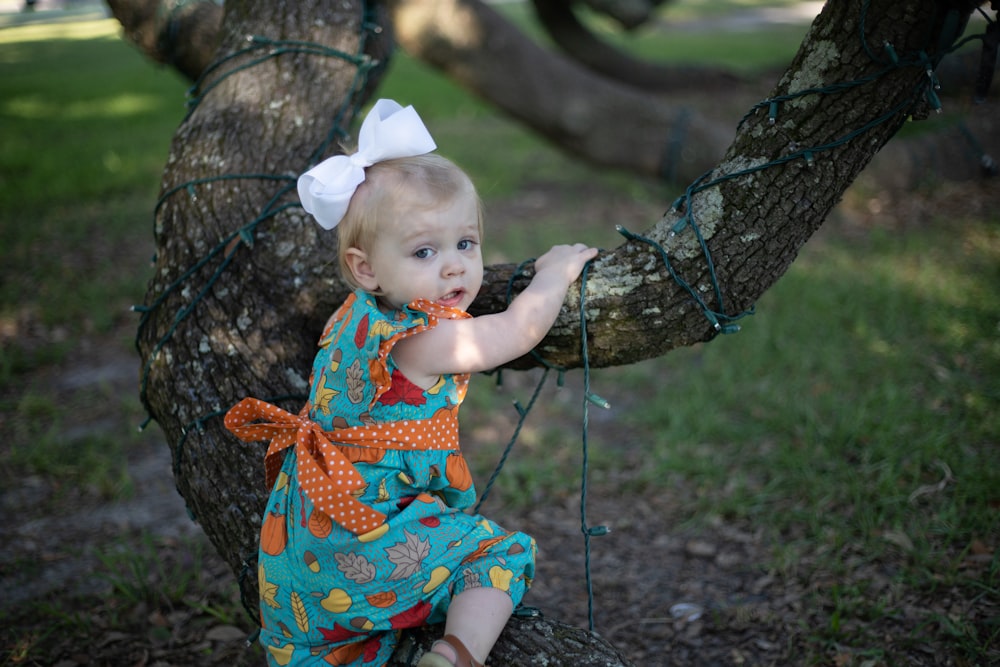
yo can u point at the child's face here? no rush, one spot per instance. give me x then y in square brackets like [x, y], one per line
[430, 253]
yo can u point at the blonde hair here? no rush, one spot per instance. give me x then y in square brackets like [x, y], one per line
[429, 180]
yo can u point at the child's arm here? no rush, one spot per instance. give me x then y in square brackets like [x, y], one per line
[483, 343]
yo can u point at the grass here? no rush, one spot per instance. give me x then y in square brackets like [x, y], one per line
[890, 379]
[80, 159]
[856, 416]
[41, 440]
[100, 134]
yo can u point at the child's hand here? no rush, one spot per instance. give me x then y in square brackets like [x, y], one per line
[564, 262]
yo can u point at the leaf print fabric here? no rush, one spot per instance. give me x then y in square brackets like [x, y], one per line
[355, 381]
[403, 391]
[355, 567]
[408, 556]
[331, 597]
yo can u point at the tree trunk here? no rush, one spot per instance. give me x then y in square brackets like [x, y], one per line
[244, 282]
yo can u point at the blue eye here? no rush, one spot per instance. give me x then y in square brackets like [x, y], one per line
[422, 253]
[466, 244]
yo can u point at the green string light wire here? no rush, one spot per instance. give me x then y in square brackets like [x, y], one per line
[522, 411]
[719, 319]
[522, 417]
[169, 13]
[986, 161]
[673, 151]
[588, 398]
[275, 48]
[244, 234]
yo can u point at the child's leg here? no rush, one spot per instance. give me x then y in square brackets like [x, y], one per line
[477, 616]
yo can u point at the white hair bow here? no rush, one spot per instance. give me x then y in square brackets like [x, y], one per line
[390, 131]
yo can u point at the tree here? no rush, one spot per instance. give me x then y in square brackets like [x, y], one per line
[596, 102]
[242, 280]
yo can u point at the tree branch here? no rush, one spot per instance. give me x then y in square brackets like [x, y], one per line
[183, 35]
[599, 120]
[584, 47]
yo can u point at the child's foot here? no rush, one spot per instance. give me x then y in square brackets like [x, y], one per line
[449, 651]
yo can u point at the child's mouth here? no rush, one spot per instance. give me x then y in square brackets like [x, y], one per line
[451, 299]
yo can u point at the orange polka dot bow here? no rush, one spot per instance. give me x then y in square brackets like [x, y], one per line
[324, 473]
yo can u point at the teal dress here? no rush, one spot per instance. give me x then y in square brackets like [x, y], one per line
[365, 532]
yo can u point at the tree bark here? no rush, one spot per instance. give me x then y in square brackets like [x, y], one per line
[244, 324]
[244, 279]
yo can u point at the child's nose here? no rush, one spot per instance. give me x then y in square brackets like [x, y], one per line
[453, 264]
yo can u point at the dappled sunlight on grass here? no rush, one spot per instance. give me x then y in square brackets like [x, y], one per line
[69, 30]
[118, 106]
[83, 115]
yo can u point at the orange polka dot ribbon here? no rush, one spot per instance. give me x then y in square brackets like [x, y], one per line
[324, 473]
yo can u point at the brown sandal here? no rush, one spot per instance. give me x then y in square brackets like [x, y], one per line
[462, 656]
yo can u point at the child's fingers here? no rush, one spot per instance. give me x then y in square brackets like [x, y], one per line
[582, 252]
[581, 256]
[567, 259]
[571, 252]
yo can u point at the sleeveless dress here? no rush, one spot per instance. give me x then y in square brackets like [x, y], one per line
[364, 533]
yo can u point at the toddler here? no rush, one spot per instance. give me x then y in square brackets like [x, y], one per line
[365, 532]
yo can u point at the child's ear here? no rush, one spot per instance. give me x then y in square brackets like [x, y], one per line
[361, 269]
